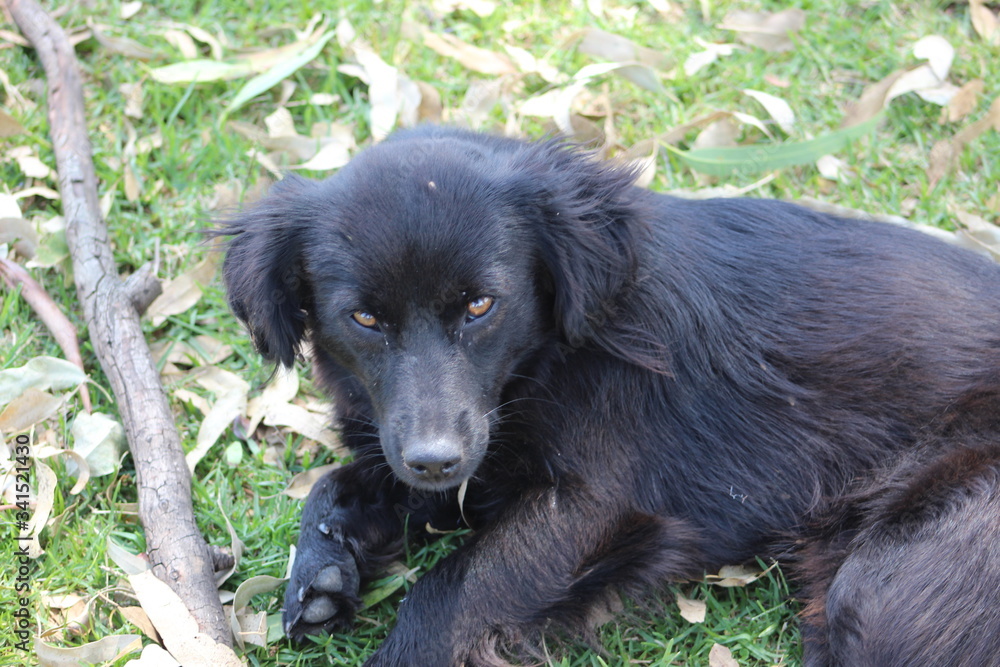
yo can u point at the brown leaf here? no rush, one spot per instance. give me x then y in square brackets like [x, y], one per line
[981, 234]
[183, 42]
[771, 32]
[720, 656]
[528, 64]
[8, 125]
[302, 483]
[230, 392]
[964, 101]
[178, 629]
[615, 48]
[692, 611]
[430, 103]
[722, 132]
[732, 576]
[133, 98]
[122, 45]
[676, 134]
[642, 156]
[28, 409]
[182, 292]
[945, 152]
[471, 57]
[984, 21]
[137, 617]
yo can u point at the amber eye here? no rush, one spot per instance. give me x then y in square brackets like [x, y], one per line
[479, 307]
[366, 320]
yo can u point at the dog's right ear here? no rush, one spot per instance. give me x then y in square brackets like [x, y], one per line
[263, 270]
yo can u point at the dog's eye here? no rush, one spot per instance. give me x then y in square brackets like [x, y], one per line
[479, 307]
[367, 320]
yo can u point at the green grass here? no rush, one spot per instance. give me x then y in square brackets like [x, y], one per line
[837, 54]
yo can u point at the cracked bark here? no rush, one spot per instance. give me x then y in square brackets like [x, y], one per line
[179, 554]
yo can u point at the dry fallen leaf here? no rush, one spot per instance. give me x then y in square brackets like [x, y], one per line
[702, 59]
[29, 162]
[182, 292]
[130, 9]
[732, 576]
[692, 611]
[778, 108]
[771, 32]
[137, 617]
[642, 157]
[984, 21]
[722, 132]
[832, 167]
[872, 101]
[480, 98]
[720, 656]
[100, 440]
[122, 45]
[556, 104]
[182, 41]
[927, 80]
[105, 650]
[979, 233]
[132, 92]
[615, 48]
[282, 388]
[19, 233]
[945, 152]
[45, 490]
[528, 64]
[383, 91]
[31, 407]
[302, 483]
[430, 108]
[964, 101]
[9, 126]
[471, 57]
[174, 623]
[230, 392]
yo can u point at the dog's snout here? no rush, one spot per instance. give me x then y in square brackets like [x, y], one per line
[434, 459]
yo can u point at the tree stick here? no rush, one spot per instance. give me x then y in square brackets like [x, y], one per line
[179, 554]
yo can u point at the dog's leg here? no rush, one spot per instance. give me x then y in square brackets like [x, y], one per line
[551, 558]
[353, 521]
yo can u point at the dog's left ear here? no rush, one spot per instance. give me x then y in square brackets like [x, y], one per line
[589, 222]
[263, 270]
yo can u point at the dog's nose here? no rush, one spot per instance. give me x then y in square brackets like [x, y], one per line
[435, 459]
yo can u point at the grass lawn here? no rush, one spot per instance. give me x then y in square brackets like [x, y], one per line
[171, 156]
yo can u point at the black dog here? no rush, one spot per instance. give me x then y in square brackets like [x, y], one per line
[630, 388]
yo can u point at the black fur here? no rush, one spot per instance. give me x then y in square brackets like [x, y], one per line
[661, 387]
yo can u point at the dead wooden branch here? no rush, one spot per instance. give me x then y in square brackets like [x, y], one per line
[177, 550]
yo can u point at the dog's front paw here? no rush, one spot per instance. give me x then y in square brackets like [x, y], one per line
[323, 590]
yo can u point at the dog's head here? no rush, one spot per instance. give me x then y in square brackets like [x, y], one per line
[433, 267]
